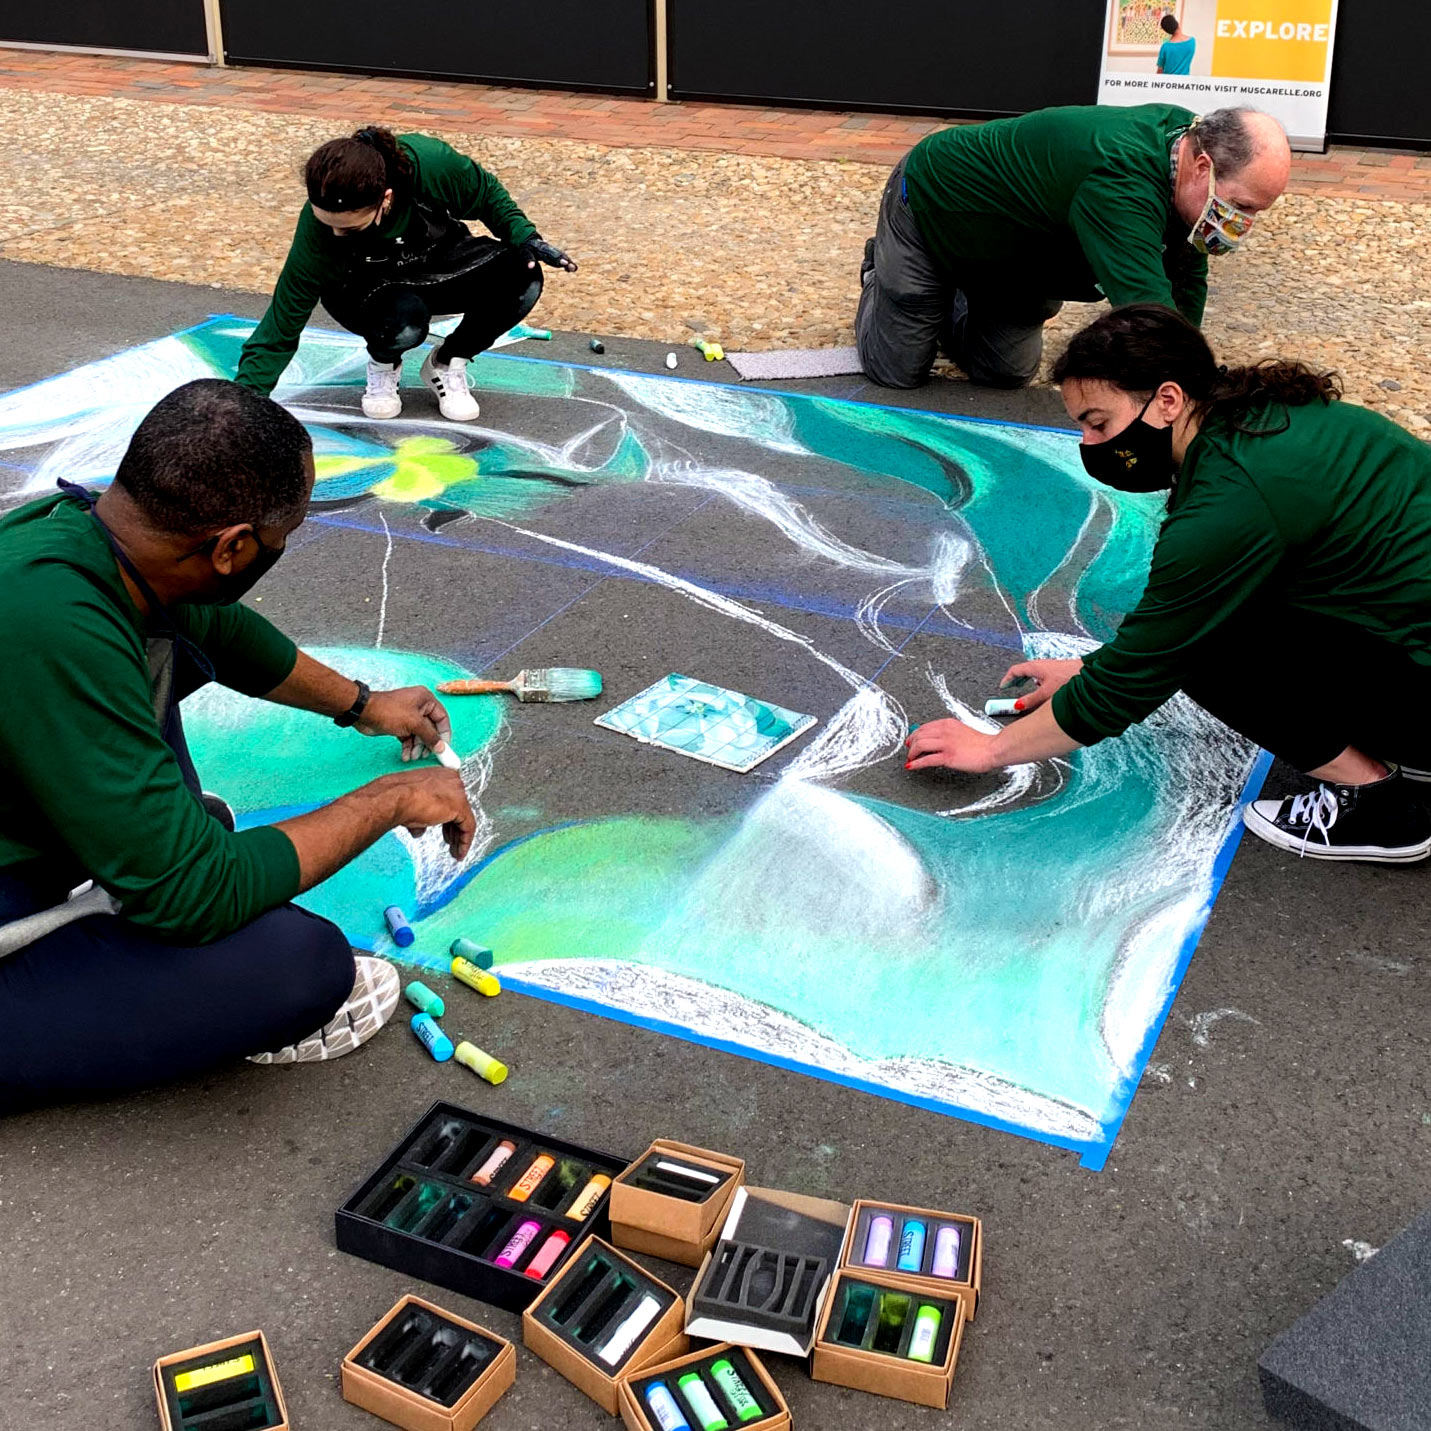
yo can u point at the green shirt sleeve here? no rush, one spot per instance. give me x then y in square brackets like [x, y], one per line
[94, 768]
[1120, 227]
[467, 189]
[271, 346]
[1214, 553]
[249, 654]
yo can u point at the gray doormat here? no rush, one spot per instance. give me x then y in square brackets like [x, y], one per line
[796, 363]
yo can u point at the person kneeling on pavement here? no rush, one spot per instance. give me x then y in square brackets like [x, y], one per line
[382, 243]
[986, 229]
[1289, 592]
[186, 952]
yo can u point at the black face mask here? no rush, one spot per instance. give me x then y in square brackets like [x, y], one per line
[1138, 459]
[238, 584]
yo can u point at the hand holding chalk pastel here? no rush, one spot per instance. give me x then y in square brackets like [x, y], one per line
[447, 755]
[431, 1037]
[1004, 707]
[482, 1064]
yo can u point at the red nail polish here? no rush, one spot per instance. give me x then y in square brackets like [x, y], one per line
[1018, 705]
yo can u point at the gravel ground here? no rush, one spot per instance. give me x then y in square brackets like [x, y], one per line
[754, 252]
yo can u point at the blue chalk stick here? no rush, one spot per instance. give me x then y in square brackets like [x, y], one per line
[397, 923]
[431, 1037]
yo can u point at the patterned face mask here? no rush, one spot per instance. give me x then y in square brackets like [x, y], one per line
[1221, 226]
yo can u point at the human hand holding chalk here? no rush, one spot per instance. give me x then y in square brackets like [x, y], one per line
[1047, 676]
[415, 716]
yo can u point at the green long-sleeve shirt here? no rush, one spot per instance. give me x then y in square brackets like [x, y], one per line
[89, 786]
[1331, 517]
[443, 179]
[1072, 203]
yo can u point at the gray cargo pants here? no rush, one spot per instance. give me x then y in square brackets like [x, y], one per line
[909, 306]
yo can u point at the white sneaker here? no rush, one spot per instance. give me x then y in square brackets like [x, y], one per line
[449, 382]
[376, 990]
[381, 400]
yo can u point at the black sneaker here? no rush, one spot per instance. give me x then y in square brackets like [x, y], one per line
[1421, 777]
[220, 809]
[1381, 822]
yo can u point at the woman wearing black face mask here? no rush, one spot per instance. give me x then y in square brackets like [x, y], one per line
[382, 242]
[1297, 545]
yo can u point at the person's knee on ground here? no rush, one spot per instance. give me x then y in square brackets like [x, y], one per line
[1000, 346]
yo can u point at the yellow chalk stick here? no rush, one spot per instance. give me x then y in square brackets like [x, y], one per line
[207, 1375]
[468, 973]
[482, 1064]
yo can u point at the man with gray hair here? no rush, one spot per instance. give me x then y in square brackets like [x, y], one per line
[986, 229]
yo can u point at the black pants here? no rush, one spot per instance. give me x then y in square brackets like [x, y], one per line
[491, 299]
[103, 1005]
[1307, 687]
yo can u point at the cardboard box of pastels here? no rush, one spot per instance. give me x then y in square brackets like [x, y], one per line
[487, 1208]
[227, 1385]
[894, 1320]
[426, 1369]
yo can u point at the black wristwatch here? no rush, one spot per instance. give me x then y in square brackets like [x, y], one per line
[354, 711]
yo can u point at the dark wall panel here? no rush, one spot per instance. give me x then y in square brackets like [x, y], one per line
[973, 57]
[172, 26]
[1379, 88]
[581, 44]
[936, 56]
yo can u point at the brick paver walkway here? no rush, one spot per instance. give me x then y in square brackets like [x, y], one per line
[553, 114]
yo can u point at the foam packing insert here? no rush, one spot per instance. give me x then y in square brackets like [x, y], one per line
[604, 1310]
[725, 1403]
[228, 1390]
[881, 1320]
[447, 1190]
[429, 1355]
[761, 1286]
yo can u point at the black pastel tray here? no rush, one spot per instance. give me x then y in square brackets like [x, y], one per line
[425, 1183]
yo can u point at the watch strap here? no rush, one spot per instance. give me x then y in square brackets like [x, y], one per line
[354, 712]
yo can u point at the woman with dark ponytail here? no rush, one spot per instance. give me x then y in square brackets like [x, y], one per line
[1289, 592]
[383, 245]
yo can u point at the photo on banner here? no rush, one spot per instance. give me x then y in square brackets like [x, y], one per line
[1274, 55]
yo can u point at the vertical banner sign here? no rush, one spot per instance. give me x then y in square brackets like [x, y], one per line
[1274, 55]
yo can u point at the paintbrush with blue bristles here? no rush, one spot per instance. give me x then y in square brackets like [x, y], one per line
[556, 683]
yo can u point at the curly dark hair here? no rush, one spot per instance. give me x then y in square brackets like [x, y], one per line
[1143, 345]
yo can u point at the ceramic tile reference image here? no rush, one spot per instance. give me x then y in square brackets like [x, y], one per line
[1002, 948]
[707, 723]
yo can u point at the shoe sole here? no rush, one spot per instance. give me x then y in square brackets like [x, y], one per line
[1264, 829]
[376, 991]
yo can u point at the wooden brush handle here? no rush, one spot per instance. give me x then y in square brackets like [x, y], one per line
[472, 687]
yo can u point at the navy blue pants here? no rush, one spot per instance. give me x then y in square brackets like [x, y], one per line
[104, 1006]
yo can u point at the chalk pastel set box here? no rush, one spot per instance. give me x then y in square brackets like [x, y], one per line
[886, 1335]
[671, 1201]
[718, 1389]
[602, 1317]
[943, 1252]
[483, 1207]
[227, 1385]
[426, 1369]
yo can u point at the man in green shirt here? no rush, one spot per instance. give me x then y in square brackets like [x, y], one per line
[383, 245]
[1289, 592]
[986, 229]
[186, 952]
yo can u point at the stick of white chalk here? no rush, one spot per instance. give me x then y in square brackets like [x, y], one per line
[1006, 706]
[447, 755]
